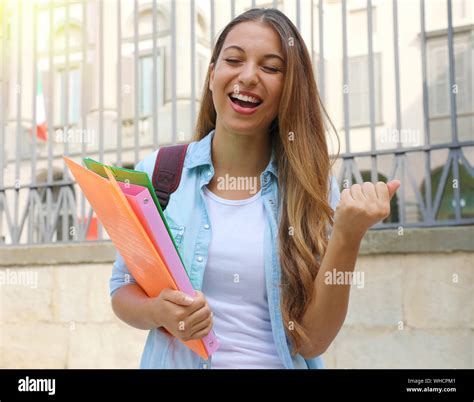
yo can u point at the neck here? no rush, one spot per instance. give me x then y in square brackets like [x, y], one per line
[240, 155]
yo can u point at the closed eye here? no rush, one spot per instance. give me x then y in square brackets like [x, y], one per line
[266, 68]
[272, 69]
[232, 61]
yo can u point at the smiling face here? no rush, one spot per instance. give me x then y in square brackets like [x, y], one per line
[247, 79]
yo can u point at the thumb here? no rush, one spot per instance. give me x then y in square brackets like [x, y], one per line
[177, 297]
[393, 187]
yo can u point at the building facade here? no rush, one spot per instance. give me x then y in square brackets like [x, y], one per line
[114, 80]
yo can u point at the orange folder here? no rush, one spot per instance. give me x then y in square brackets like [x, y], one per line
[128, 235]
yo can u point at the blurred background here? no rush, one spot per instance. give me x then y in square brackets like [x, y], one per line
[115, 79]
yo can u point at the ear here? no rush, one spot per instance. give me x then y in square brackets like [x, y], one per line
[211, 77]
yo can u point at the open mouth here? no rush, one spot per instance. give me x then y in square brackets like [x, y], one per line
[244, 101]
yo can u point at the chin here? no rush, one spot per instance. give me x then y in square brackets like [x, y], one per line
[242, 129]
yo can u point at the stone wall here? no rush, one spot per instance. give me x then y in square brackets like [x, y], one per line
[65, 322]
[414, 310]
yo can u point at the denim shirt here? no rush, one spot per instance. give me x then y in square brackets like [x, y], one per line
[188, 220]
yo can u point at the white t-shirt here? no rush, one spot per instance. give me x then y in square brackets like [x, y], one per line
[234, 284]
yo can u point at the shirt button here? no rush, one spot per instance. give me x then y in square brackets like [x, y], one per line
[204, 366]
[206, 226]
[209, 173]
[200, 259]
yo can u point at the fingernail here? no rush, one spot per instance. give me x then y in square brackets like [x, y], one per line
[188, 299]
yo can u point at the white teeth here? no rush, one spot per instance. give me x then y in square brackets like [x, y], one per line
[244, 98]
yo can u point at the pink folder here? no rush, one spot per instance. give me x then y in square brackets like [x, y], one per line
[142, 204]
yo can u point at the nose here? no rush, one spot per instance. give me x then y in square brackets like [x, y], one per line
[248, 75]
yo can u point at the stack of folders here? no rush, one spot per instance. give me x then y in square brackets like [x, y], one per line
[126, 205]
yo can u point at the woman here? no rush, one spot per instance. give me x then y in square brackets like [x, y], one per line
[262, 272]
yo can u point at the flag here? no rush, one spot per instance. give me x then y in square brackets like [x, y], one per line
[41, 126]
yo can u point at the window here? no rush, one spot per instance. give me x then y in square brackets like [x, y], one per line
[146, 84]
[447, 205]
[438, 77]
[72, 93]
[359, 91]
[439, 90]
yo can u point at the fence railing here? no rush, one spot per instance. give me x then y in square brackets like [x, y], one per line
[105, 79]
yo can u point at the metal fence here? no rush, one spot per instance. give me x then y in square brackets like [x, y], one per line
[61, 52]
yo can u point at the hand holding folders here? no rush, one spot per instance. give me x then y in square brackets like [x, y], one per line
[183, 317]
[136, 225]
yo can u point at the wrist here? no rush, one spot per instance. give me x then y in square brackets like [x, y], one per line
[346, 239]
[150, 312]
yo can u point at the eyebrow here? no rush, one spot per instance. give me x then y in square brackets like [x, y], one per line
[267, 56]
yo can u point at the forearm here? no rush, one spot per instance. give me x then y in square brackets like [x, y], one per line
[131, 304]
[327, 310]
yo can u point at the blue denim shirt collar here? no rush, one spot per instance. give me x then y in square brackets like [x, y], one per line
[202, 155]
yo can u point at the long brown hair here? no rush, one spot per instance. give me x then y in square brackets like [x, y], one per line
[303, 163]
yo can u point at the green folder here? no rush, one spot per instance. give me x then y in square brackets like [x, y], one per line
[135, 177]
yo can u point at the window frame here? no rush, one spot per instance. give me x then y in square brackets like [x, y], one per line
[439, 45]
[161, 90]
[378, 88]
